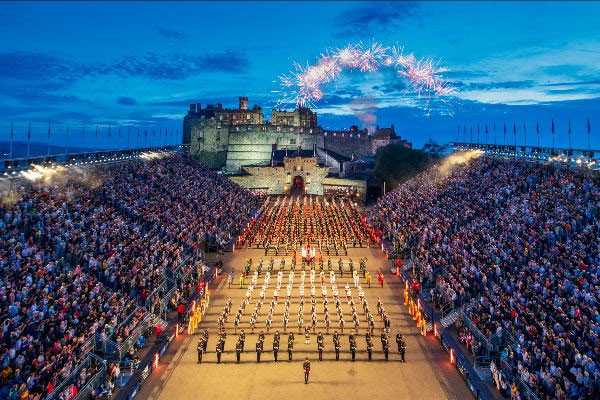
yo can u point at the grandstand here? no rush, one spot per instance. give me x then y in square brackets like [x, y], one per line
[93, 256]
[506, 252]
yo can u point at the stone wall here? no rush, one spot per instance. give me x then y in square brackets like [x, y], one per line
[347, 145]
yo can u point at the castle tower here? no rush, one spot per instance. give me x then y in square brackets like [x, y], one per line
[243, 103]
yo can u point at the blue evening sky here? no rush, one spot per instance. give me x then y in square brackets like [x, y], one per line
[138, 64]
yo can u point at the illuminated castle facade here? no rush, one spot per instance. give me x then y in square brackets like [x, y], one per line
[231, 139]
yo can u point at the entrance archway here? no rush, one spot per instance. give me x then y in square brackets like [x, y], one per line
[297, 186]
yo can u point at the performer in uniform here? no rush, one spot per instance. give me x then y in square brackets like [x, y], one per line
[275, 345]
[385, 344]
[200, 349]
[239, 346]
[336, 344]
[306, 367]
[219, 348]
[259, 346]
[290, 345]
[242, 338]
[205, 342]
[320, 345]
[352, 341]
[401, 346]
[369, 345]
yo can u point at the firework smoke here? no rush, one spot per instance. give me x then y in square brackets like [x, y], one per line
[458, 158]
[304, 85]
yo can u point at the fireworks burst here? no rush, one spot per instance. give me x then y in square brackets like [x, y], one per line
[304, 85]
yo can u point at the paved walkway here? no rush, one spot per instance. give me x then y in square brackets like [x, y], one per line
[427, 374]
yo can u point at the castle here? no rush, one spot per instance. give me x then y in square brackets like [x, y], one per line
[230, 139]
[241, 142]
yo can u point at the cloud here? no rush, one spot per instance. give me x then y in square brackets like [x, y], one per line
[170, 33]
[30, 66]
[496, 85]
[177, 66]
[463, 74]
[126, 101]
[31, 96]
[378, 16]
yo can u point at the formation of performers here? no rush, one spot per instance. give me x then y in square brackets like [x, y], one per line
[305, 263]
[293, 222]
[318, 322]
[201, 348]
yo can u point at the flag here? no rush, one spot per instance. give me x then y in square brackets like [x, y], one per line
[29, 132]
[553, 128]
[589, 126]
[569, 127]
[537, 127]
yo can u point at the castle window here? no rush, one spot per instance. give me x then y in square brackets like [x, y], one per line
[292, 141]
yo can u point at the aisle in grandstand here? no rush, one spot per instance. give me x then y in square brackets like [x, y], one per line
[330, 225]
[516, 243]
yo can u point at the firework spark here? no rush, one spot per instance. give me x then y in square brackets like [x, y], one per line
[304, 85]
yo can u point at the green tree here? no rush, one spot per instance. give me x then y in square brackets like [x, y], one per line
[395, 163]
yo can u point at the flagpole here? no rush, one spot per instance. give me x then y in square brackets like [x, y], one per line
[589, 131]
[67, 142]
[12, 138]
[29, 141]
[48, 151]
[569, 132]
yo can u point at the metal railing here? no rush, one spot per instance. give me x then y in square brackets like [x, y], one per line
[90, 360]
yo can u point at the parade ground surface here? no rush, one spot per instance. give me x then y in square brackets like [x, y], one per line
[427, 373]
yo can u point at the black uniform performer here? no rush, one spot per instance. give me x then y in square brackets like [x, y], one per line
[259, 345]
[243, 339]
[205, 335]
[352, 341]
[401, 346]
[369, 341]
[239, 348]
[290, 345]
[275, 345]
[219, 348]
[320, 345]
[306, 367]
[336, 345]
[385, 345]
[200, 349]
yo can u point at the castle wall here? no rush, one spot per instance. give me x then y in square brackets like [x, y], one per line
[250, 146]
[358, 146]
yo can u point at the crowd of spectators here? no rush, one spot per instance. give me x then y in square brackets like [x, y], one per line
[79, 260]
[520, 243]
